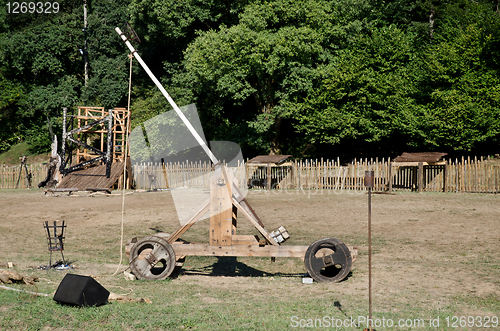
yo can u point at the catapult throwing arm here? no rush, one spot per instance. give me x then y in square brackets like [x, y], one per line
[167, 96]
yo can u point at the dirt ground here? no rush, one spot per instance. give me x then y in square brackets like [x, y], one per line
[430, 248]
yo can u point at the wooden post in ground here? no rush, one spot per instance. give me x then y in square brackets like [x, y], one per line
[268, 177]
[164, 173]
[321, 174]
[420, 176]
[445, 173]
[389, 163]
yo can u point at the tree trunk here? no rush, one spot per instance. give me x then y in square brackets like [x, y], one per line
[431, 23]
[275, 148]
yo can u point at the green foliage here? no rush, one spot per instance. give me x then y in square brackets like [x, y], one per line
[368, 93]
[10, 94]
[37, 58]
[385, 89]
[108, 64]
[41, 68]
[258, 65]
[279, 76]
[463, 107]
[166, 27]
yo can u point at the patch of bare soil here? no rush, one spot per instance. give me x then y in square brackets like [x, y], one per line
[430, 248]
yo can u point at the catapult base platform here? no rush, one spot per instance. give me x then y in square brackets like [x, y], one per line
[153, 257]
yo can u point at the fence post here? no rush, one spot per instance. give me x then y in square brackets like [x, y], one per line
[389, 164]
[321, 174]
[268, 177]
[445, 173]
[420, 176]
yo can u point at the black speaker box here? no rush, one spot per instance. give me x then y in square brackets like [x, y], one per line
[81, 291]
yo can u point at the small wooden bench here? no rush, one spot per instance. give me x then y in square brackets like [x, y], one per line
[56, 190]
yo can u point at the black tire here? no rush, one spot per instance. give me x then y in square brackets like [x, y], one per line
[328, 260]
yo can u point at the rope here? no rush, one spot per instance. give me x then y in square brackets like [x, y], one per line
[129, 292]
[131, 57]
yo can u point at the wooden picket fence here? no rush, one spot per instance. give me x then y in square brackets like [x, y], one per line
[459, 175]
[471, 175]
[465, 175]
[158, 176]
[9, 176]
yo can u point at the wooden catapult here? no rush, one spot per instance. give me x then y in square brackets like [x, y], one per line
[156, 256]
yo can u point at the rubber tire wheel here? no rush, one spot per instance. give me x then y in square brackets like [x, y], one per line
[332, 267]
[158, 251]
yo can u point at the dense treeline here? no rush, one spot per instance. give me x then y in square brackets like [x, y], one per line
[301, 77]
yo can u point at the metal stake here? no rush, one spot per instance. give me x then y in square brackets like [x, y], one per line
[369, 176]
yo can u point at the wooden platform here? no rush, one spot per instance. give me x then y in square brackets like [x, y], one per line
[93, 178]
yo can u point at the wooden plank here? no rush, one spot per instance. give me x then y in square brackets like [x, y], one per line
[268, 177]
[92, 177]
[250, 210]
[445, 174]
[415, 164]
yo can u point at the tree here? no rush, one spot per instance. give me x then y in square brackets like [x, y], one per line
[368, 95]
[166, 27]
[390, 90]
[34, 59]
[108, 63]
[41, 68]
[10, 93]
[463, 105]
[251, 72]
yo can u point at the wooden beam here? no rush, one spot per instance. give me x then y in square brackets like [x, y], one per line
[244, 203]
[228, 180]
[390, 176]
[249, 208]
[239, 250]
[183, 228]
[415, 164]
[221, 209]
[98, 189]
[445, 173]
[236, 193]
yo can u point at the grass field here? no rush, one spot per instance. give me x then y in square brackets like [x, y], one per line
[434, 256]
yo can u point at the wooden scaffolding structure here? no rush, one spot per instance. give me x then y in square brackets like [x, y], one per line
[98, 140]
[86, 115]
